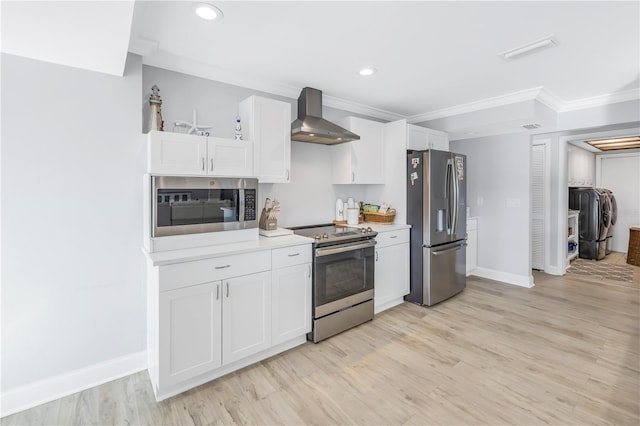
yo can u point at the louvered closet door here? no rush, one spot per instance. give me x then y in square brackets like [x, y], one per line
[538, 195]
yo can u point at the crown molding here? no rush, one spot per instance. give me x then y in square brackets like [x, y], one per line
[540, 94]
[158, 58]
[509, 98]
[550, 99]
[184, 65]
[171, 62]
[601, 100]
[343, 104]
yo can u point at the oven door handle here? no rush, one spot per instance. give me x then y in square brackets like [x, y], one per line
[343, 248]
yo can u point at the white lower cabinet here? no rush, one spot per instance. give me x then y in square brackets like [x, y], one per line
[472, 244]
[391, 269]
[246, 316]
[190, 337]
[290, 293]
[204, 321]
[291, 302]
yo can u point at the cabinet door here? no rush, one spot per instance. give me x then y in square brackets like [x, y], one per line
[472, 250]
[190, 332]
[417, 138]
[438, 140]
[421, 138]
[176, 154]
[246, 316]
[360, 161]
[229, 157]
[269, 128]
[291, 302]
[392, 275]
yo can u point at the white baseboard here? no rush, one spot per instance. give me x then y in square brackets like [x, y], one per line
[28, 396]
[505, 277]
[388, 304]
[555, 270]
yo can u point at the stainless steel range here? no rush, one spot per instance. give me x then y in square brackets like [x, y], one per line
[343, 277]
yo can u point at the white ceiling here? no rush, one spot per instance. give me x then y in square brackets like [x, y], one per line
[92, 35]
[434, 58]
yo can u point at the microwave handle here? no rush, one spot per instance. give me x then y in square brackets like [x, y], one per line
[241, 204]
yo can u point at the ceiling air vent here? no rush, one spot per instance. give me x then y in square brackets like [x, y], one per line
[532, 126]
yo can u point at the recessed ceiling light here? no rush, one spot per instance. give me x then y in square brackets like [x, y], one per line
[630, 142]
[528, 48]
[208, 11]
[368, 71]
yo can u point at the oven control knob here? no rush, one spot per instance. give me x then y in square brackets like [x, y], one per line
[316, 237]
[369, 229]
[325, 236]
[363, 230]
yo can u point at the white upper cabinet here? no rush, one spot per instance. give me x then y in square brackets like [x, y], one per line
[581, 165]
[421, 138]
[229, 157]
[176, 154]
[181, 154]
[361, 161]
[267, 123]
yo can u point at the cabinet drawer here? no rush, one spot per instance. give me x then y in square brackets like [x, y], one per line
[290, 256]
[389, 238]
[218, 268]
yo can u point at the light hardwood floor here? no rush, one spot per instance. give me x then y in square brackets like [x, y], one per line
[565, 352]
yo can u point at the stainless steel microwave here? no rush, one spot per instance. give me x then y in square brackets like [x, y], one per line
[192, 205]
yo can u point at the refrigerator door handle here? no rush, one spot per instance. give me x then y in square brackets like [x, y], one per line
[456, 195]
[447, 195]
[456, 247]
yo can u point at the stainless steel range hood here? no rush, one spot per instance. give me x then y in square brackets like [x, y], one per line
[311, 127]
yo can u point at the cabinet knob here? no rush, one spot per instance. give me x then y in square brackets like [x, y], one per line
[287, 174]
[227, 289]
[353, 176]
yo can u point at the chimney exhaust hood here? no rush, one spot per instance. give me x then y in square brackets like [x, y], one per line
[311, 127]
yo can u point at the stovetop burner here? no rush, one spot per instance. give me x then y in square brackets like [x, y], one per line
[328, 234]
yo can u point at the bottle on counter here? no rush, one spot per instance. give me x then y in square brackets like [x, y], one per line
[340, 209]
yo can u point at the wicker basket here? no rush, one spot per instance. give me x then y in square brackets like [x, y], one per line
[379, 217]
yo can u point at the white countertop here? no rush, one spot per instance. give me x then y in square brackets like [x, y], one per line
[199, 253]
[382, 227]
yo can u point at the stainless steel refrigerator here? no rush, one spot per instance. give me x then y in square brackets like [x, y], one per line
[436, 211]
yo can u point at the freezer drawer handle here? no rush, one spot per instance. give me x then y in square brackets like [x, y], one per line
[456, 247]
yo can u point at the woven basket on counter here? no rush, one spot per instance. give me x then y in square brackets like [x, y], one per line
[379, 217]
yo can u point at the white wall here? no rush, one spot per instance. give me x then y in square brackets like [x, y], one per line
[498, 192]
[310, 197]
[73, 280]
[620, 173]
